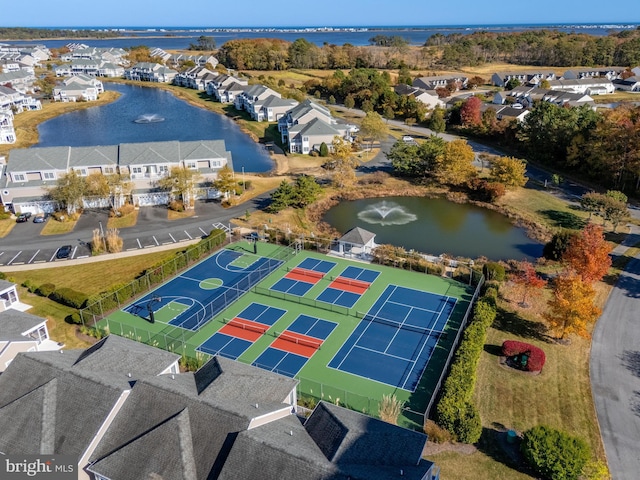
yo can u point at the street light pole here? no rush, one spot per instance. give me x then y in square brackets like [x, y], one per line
[471, 263]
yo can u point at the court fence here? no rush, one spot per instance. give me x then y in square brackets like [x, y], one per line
[309, 302]
[103, 304]
[454, 347]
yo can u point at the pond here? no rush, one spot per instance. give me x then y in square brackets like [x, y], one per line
[436, 226]
[144, 114]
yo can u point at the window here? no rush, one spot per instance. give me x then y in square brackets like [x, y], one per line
[18, 177]
[191, 165]
[136, 170]
[163, 168]
[109, 170]
[48, 175]
[215, 163]
[82, 172]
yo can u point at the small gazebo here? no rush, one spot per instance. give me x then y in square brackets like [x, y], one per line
[357, 242]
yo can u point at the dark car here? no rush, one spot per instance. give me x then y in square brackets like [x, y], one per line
[39, 219]
[64, 251]
[23, 217]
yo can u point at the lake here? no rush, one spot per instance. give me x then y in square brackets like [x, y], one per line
[115, 123]
[436, 226]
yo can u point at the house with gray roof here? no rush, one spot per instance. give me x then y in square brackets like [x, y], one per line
[150, 72]
[301, 114]
[530, 78]
[427, 97]
[440, 81]
[63, 402]
[79, 87]
[610, 73]
[356, 242]
[30, 172]
[196, 78]
[272, 108]
[225, 88]
[22, 81]
[629, 84]
[250, 99]
[7, 132]
[304, 138]
[586, 85]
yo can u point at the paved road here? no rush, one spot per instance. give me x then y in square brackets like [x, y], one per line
[615, 370]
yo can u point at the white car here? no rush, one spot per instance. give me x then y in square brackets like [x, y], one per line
[408, 139]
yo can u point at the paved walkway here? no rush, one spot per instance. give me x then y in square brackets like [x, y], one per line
[615, 369]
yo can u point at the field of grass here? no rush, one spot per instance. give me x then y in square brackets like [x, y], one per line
[92, 278]
[54, 227]
[125, 221]
[6, 225]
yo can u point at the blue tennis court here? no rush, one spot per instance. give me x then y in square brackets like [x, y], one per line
[207, 288]
[394, 341]
[342, 293]
[281, 358]
[232, 347]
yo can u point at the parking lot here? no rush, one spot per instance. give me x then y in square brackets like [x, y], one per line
[25, 245]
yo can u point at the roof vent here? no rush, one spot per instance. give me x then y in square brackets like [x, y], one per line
[291, 432]
[173, 377]
[129, 374]
[256, 405]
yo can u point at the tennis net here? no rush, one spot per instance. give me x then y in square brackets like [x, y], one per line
[403, 326]
[306, 342]
[245, 326]
[351, 281]
[304, 271]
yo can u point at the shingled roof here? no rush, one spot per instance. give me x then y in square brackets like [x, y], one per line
[13, 323]
[357, 236]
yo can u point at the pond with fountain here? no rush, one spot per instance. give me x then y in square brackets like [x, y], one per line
[436, 226]
[143, 114]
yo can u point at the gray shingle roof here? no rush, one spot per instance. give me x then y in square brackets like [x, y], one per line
[75, 405]
[5, 284]
[357, 236]
[317, 127]
[14, 323]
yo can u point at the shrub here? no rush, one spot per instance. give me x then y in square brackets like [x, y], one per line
[176, 206]
[5, 215]
[436, 433]
[324, 150]
[74, 318]
[389, 409]
[45, 289]
[494, 271]
[29, 285]
[536, 356]
[3, 275]
[554, 454]
[555, 248]
[69, 297]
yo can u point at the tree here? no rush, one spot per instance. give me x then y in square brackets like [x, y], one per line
[588, 254]
[512, 83]
[571, 309]
[345, 163]
[436, 121]
[181, 182]
[306, 190]
[559, 243]
[509, 171]
[69, 191]
[410, 159]
[528, 281]
[554, 454]
[455, 165]
[404, 76]
[225, 181]
[282, 197]
[204, 43]
[373, 127]
[349, 101]
[470, 113]
[324, 150]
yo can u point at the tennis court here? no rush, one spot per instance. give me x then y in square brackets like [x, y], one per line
[396, 338]
[347, 288]
[193, 298]
[291, 349]
[242, 331]
[301, 278]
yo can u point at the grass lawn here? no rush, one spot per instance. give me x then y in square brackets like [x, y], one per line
[91, 278]
[54, 227]
[59, 330]
[6, 225]
[124, 221]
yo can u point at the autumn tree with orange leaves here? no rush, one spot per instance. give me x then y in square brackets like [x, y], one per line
[588, 254]
[572, 308]
[528, 281]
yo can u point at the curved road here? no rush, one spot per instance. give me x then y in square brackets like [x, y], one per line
[615, 369]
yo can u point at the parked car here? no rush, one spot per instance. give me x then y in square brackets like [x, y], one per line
[23, 217]
[64, 252]
[39, 219]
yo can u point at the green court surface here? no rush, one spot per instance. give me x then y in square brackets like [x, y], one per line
[316, 379]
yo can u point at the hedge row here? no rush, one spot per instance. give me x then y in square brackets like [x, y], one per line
[536, 356]
[65, 296]
[456, 411]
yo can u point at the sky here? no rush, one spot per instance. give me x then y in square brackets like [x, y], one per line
[256, 13]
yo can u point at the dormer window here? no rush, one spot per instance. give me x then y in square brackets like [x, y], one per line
[48, 176]
[19, 177]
